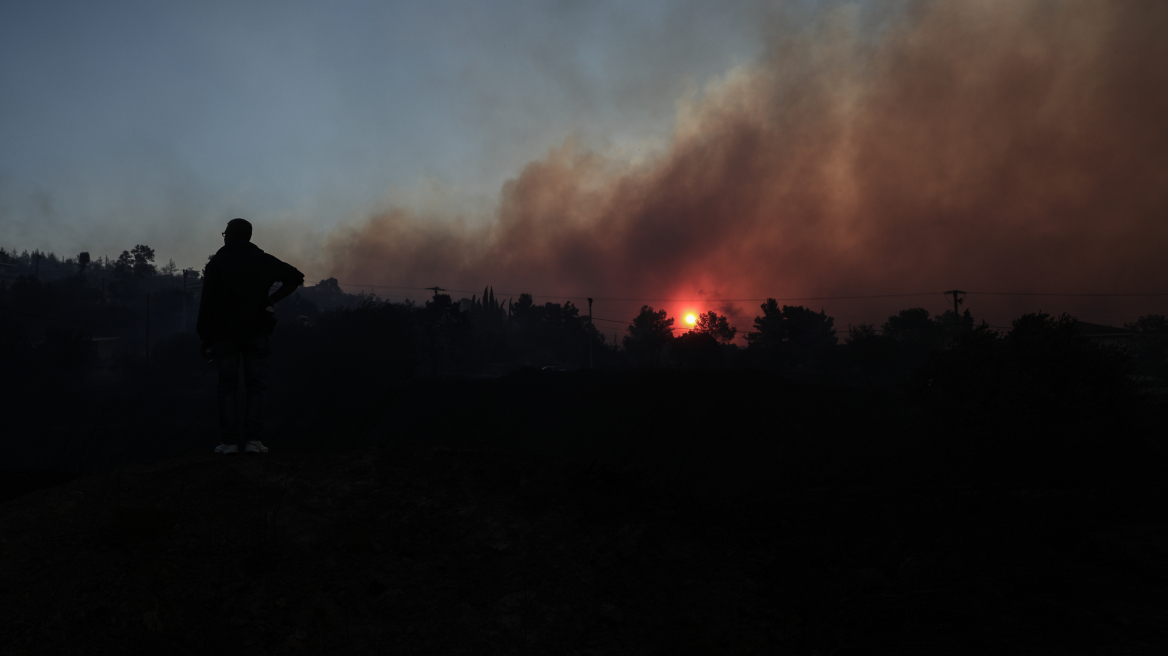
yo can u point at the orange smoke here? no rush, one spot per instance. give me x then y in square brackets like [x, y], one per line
[991, 146]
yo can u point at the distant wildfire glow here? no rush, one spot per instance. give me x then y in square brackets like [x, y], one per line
[992, 145]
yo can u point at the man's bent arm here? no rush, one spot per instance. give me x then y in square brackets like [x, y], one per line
[283, 292]
[290, 278]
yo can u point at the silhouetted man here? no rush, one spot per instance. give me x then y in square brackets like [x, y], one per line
[236, 317]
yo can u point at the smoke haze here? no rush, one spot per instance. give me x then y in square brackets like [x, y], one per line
[993, 146]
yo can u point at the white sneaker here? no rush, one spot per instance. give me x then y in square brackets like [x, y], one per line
[227, 448]
[255, 446]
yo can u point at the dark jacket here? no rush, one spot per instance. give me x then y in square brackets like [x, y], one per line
[236, 285]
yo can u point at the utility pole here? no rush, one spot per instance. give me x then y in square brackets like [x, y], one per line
[435, 289]
[590, 333]
[36, 271]
[184, 301]
[147, 329]
[957, 300]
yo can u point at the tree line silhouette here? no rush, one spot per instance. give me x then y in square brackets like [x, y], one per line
[52, 309]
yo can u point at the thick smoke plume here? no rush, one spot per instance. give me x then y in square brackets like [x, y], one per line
[993, 146]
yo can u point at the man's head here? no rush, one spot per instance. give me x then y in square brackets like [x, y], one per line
[237, 230]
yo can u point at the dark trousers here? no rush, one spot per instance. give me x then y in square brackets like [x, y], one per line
[228, 355]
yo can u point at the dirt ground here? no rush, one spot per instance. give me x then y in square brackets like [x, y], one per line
[439, 551]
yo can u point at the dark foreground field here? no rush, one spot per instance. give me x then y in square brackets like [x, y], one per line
[655, 513]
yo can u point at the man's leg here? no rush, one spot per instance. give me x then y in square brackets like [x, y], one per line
[255, 377]
[226, 355]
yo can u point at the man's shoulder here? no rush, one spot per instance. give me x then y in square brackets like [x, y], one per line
[276, 263]
[215, 261]
[245, 252]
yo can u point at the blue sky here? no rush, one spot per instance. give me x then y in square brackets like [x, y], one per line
[128, 122]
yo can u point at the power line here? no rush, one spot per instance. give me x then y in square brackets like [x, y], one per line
[659, 300]
[1067, 294]
[748, 300]
[671, 300]
[358, 284]
[752, 300]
